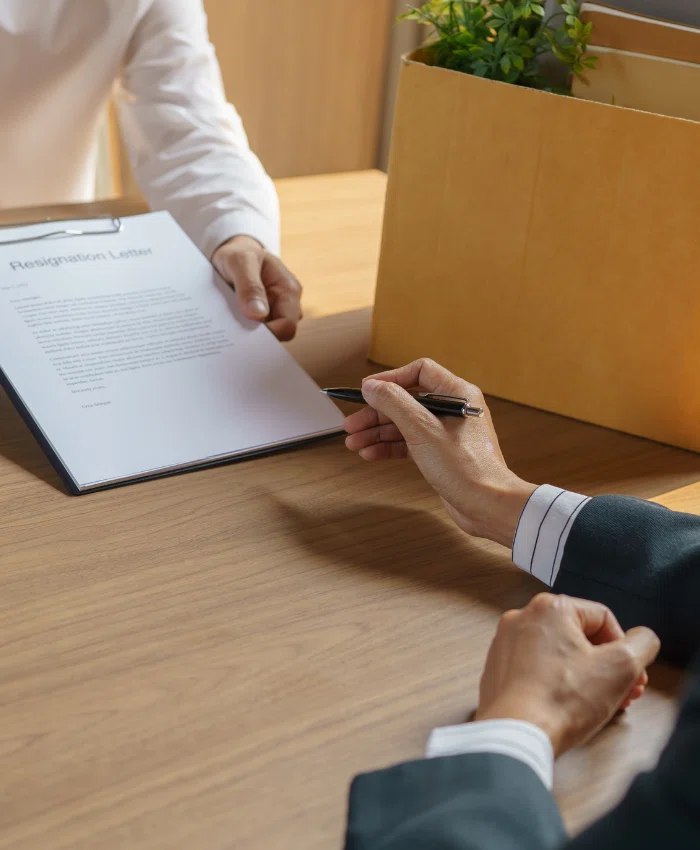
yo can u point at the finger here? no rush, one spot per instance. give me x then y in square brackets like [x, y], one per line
[643, 646]
[635, 693]
[244, 271]
[373, 436]
[366, 418]
[385, 451]
[283, 329]
[598, 622]
[286, 306]
[427, 374]
[412, 419]
[283, 289]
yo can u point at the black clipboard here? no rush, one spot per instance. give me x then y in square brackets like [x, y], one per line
[114, 226]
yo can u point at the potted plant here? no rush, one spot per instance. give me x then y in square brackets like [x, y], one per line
[505, 41]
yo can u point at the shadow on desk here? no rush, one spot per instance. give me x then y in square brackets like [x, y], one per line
[540, 447]
[18, 446]
[411, 546]
[419, 548]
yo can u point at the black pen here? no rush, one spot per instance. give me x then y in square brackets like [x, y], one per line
[442, 405]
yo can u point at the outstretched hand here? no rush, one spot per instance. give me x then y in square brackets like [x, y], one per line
[265, 288]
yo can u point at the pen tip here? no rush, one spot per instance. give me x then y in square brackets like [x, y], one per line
[325, 392]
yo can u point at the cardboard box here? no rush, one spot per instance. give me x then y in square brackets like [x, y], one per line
[547, 249]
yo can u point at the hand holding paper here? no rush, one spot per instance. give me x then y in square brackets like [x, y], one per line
[129, 358]
[267, 291]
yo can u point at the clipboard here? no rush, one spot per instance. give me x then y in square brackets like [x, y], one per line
[116, 226]
[113, 225]
[178, 256]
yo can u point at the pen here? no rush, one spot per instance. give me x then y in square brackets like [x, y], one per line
[442, 405]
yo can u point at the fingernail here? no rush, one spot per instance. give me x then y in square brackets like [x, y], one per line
[258, 307]
[368, 387]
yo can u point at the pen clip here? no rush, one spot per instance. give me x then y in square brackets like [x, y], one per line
[468, 409]
[439, 397]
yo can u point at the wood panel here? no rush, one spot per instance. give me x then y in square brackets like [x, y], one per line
[206, 661]
[405, 37]
[685, 499]
[308, 77]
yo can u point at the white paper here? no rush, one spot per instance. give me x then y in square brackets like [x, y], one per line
[131, 356]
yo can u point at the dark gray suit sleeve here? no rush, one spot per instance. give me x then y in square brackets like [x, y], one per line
[480, 801]
[643, 562]
[662, 808]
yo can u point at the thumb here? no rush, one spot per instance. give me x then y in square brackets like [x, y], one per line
[244, 271]
[410, 417]
[643, 646]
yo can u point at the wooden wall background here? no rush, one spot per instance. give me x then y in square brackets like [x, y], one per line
[314, 80]
[405, 37]
[308, 77]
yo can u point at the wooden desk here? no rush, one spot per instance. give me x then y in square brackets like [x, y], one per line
[206, 661]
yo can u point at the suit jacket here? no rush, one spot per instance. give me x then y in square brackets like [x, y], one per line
[643, 561]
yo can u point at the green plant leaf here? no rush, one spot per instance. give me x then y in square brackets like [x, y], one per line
[502, 39]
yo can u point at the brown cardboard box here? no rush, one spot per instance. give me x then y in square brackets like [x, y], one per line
[621, 30]
[546, 248]
[649, 83]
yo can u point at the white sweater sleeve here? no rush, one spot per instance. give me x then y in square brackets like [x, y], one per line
[186, 144]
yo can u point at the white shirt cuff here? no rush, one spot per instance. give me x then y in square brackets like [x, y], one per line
[514, 738]
[232, 224]
[543, 530]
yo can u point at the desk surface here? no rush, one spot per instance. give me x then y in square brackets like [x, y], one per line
[205, 661]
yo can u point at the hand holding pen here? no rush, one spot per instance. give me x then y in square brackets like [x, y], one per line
[458, 455]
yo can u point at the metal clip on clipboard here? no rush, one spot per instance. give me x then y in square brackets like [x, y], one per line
[116, 226]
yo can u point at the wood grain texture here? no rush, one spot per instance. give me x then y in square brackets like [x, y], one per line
[206, 661]
[406, 37]
[685, 499]
[308, 78]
